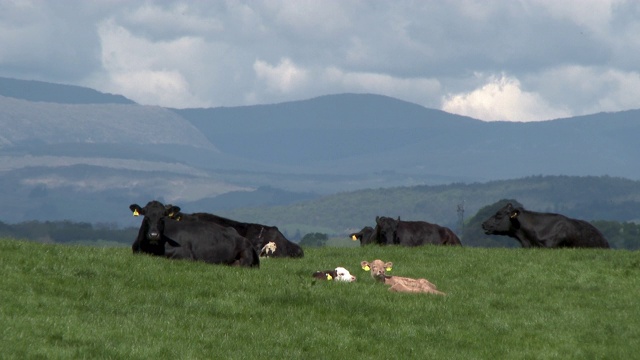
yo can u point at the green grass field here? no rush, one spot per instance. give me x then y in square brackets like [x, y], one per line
[66, 302]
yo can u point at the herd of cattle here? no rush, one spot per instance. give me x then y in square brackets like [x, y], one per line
[166, 231]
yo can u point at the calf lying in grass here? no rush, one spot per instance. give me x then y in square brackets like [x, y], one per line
[379, 268]
[338, 274]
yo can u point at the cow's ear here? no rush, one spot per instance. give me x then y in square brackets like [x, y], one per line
[329, 277]
[365, 266]
[354, 237]
[514, 213]
[388, 266]
[136, 209]
[172, 211]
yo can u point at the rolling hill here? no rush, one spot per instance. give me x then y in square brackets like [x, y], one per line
[65, 148]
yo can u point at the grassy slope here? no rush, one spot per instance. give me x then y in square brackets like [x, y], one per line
[83, 302]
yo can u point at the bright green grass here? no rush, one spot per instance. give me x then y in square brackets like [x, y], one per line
[65, 302]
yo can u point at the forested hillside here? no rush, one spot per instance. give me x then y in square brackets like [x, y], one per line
[612, 204]
[71, 153]
[589, 198]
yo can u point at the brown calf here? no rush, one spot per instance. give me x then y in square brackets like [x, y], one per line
[379, 268]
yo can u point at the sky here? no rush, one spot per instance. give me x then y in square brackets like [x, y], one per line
[514, 60]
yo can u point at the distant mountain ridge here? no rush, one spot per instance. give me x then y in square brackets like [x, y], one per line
[52, 123]
[326, 128]
[364, 133]
[32, 90]
[52, 147]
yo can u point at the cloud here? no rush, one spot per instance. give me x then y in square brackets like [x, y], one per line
[588, 89]
[594, 15]
[417, 90]
[561, 57]
[149, 73]
[502, 98]
[287, 80]
[283, 78]
[37, 44]
[309, 17]
[172, 21]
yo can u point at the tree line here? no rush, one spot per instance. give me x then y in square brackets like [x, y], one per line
[590, 198]
[621, 235]
[68, 232]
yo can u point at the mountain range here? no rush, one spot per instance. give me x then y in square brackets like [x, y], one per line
[69, 152]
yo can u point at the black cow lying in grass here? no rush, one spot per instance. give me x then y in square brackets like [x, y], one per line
[259, 235]
[412, 233]
[534, 229]
[194, 240]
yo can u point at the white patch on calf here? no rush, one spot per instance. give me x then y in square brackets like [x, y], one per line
[344, 275]
[268, 249]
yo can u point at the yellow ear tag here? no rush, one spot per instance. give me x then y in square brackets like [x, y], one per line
[388, 269]
[136, 213]
[354, 238]
[366, 268]
[329, 277]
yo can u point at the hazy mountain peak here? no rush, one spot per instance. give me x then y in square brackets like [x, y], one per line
[33, 90]
[48, 123]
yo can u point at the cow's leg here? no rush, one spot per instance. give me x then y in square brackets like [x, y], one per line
[247, 257]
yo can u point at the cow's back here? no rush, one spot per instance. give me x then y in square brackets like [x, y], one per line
[448, 237]
[259, 235]
[585, 235]
[416, 233]
[556, 230]
[211, 243]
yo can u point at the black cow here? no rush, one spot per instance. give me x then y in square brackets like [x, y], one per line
[412, 233]
[259, 235]
[534, 229]
[366, 236]
[194, 240]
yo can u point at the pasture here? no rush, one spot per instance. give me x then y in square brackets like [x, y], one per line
[65, 302]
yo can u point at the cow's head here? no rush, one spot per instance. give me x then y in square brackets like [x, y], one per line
[153, 223]
[269, 249]
[503, 222]
[378, 268]
[385, 232]
[343, 274]
[338, 274]
[365, 236]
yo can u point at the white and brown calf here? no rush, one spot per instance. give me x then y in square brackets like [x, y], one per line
[338, 274]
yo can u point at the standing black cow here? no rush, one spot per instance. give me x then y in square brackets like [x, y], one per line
[412, 233]
[194, 240]
[259, 235]
[366, 236]
[534, 229]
